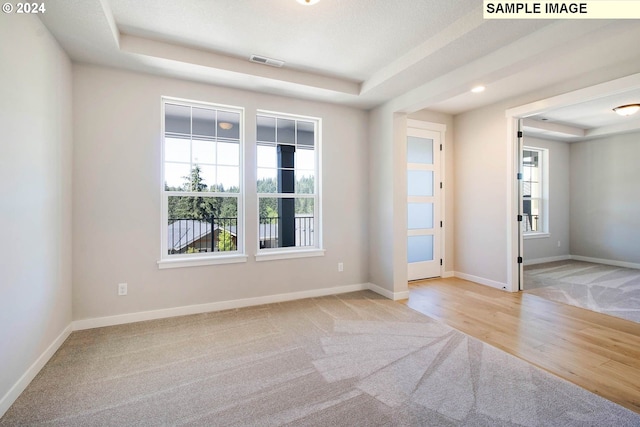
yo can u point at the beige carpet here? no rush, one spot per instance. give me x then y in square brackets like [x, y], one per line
[350, 360]
[603, 288]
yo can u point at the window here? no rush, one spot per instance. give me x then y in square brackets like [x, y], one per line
[288, 182]
[535, 190]
[202, 185]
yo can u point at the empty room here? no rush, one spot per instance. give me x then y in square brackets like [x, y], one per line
[317, 212]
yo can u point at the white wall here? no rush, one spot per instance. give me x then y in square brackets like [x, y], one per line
[35, 207]
[116, 224]
[605, 198]
[480, 173]
[381, 194]
[559, 201]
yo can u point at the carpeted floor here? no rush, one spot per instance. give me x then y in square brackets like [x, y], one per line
[354, 360]
[602, 288]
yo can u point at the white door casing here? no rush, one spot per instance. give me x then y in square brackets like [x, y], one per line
[423, 203]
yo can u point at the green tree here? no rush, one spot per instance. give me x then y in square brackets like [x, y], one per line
[225, 241]
[201, 208]
[305, 185]
[268, 205]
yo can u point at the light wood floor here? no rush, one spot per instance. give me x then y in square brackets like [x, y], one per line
[597, 352]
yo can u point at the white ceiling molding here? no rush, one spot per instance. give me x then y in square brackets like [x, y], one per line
[590, 107]
[628, 126]
[186, 55]
[453, 32]
[552, 129]
[621, 85]
[106, 8]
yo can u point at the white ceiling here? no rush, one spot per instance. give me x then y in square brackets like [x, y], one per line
[347, 39]
[586, 120]
[418, 54]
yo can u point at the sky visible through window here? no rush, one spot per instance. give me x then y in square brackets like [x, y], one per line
[219, 165]
[218, 161]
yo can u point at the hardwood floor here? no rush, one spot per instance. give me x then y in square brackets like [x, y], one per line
[595, 351]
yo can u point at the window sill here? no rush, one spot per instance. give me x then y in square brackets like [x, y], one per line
[200, 261]
[527, 236]
[275, 255]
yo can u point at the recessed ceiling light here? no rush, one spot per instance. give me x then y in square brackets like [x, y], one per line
[627, 110]
[225, 125]
[478, 89]
[307, 2]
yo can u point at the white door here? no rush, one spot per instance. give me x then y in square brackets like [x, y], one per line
[423, 203]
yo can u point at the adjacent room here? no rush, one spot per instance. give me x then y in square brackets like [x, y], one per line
[302, 212]
[581, 228]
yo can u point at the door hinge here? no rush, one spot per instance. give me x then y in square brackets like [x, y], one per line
[519, 260]
[440, 184]
[440, 147]
[440, 224]
[519, 175]
[519, 134]
[519, 218]
[440, 261]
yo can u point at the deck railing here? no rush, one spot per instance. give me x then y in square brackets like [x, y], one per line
[303, 232]
[189, 235]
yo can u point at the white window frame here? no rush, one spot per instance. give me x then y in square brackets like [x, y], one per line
[268, 254]
[207, 258]
[543, 200]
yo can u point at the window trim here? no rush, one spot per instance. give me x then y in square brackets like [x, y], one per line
[543, 224]
[208, 258]
[269, 254]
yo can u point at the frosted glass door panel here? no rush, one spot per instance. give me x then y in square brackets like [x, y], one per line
[419, 248]
[420, 215]
[419, 150]
[419, 183]
[423, 212]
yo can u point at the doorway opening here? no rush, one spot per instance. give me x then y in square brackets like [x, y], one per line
[576, 253]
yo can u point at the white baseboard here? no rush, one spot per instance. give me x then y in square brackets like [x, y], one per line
[448, 274]
[481, 280]
[15, 391]
[100, 322]
[395, 296]
[606, 261]
[545, 260]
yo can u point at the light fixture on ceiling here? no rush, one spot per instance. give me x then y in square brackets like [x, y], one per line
[478, 89]
[225, 125]
[308, 2]
[627, 110]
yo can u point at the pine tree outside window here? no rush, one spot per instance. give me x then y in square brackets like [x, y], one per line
[202, 181]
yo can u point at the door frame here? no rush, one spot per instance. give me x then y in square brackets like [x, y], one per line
[441, 129]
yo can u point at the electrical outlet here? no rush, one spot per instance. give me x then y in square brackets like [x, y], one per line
[122, 289]
[558, 243]
[340, 267]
